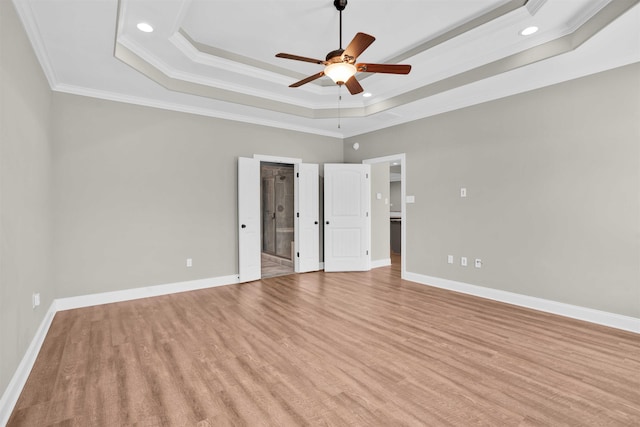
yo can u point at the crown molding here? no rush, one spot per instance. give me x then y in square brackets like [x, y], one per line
[27, 17]
[185, 108]
[262, 109]
[533, 6]
[463, 28]
[189, 84]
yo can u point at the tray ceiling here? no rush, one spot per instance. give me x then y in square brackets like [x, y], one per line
[217, 58]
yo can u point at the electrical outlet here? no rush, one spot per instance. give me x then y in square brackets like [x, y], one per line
[463, 192]
[450, 259]
[189, 262]
[35, 300]
[463, 261]
[478, 263]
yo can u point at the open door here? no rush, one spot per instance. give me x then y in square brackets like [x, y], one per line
[249, 238]
[347, 228]
[307, 228]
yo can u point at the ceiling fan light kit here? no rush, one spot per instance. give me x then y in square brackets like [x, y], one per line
[340, 64]
[340, 72]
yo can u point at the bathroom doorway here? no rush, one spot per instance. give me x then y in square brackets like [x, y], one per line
[277, 211]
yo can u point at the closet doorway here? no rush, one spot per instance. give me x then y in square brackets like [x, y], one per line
[398, 200]
[277, 212]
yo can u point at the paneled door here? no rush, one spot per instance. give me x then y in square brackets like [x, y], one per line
[307, 212]
[347, 227]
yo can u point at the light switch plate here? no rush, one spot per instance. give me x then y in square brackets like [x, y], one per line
[463, 192]
[463, 261]
[410, 199]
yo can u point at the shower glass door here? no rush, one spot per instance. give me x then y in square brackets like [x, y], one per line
[277, 210]
[268, 216]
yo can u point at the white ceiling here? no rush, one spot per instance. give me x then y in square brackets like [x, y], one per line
[217, 57]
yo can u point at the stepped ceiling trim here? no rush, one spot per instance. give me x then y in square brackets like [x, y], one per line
[469, 53]
[552, 48]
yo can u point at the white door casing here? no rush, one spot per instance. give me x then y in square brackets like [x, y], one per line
[401, 160]
[306, 211]
[347, 219]
[249, 238]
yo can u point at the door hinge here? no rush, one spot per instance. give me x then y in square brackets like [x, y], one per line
[367, 214]
[297, 174]
[367, 252]
[366, 175]
[298, 254]
[298, 214]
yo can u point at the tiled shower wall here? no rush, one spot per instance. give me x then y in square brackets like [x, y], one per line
[277, 209]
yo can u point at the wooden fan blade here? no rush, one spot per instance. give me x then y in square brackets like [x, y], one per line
[359, 43]
[384, 68]
[353, 85]
[308, 79]
[299, 58]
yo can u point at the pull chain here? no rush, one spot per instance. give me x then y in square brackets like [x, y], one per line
[339, 99]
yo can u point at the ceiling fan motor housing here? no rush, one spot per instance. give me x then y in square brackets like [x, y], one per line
[335, 56]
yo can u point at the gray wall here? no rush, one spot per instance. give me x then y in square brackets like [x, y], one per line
[380, 237]
[553, 191]
[396, 196]
[138, 190]
[25, 175]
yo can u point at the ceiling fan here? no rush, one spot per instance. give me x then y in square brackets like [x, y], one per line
[340, 65]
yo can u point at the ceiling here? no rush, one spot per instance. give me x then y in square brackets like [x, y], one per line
[217, 57]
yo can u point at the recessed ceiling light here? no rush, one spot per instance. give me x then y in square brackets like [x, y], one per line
[366, 94]
[144, 27]
[528, 31]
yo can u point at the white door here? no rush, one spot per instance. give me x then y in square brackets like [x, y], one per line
[249, 238]
[307, 212]
[347, 228]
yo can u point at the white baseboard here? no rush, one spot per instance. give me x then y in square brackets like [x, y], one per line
[381, 263]
[19, 379]
[599, 317]
[144, 292]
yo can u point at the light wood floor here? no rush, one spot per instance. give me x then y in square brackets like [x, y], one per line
[365, 349]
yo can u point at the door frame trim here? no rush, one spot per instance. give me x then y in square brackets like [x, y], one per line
[402, 158]
[264, 158]
[277, 159]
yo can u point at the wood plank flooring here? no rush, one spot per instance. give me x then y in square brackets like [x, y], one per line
[341, 349]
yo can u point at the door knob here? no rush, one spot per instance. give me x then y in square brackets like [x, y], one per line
[315, 222]
[327, 223]
[243, 226]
